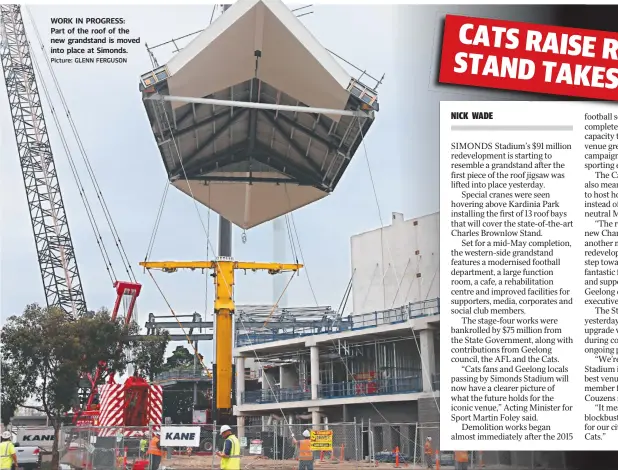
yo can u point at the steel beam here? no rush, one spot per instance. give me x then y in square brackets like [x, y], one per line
[212, 162]
[294, 144]
[168, 325]
[178, 132]
[193, 337]
[214, 136]
[270, 325]
[273, 107]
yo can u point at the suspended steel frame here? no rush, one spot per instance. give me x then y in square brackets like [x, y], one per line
[56, 255]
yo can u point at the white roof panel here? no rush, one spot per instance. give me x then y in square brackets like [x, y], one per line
[291, 60]
[248, 205]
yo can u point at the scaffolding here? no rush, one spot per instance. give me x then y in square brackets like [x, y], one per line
[258, 323]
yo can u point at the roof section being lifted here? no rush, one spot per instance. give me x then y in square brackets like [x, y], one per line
[253, 165]
[292, 60]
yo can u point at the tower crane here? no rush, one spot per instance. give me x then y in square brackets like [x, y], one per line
[52, 237]
[54, 246]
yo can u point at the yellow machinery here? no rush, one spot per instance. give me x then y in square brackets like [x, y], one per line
[224, 270]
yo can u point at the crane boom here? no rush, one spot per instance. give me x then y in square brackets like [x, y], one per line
[56, 256]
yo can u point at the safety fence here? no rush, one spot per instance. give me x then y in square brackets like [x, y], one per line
[274, 444]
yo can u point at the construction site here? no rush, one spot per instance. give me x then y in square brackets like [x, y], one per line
[253, 139]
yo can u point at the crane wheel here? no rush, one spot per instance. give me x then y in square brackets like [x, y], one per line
[206, 445]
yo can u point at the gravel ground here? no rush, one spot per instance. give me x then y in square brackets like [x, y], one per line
[250, 462]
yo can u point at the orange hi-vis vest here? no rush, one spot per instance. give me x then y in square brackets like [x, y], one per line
[461, 456]
[153, 449]
[428, 449]
[304, 448]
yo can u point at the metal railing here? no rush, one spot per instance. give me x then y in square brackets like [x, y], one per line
[336, 390]
[373, 387]
[396, 315]
[181, 374]
[276, 395]
[352, 322]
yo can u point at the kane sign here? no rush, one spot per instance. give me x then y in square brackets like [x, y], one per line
[40, 437]
[180, 436]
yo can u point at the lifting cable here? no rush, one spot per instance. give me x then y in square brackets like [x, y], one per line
[91, 218]
[205, 229]
[300, 248]
[343, 361]
[91, 173]
[155, 229]
[278, 300]
[424, 367]
[291, 238]
[207, 283]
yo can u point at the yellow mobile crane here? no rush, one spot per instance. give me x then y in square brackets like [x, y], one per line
[224, 271]
[253, 126]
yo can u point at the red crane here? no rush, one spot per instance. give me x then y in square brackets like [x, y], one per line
[54, 245]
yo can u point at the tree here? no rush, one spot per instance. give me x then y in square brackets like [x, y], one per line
[11, 391]
[44, 353]
[149, 354]
[181, 358]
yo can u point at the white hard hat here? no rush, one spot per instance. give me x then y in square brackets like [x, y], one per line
[224, 428]
[6, 435]
[429, 438]
[306, 433]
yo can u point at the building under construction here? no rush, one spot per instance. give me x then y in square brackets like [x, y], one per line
[380, 363]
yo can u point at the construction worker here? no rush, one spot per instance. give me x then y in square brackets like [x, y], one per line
[143, 445]
[154, 452]
[305, 455]
[230, 457]
[428, 453]
[8, 456]
[461, 460]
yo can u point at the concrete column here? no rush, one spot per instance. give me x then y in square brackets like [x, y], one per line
[240, 421]
[315, 371]
[240, 379]
[268, 381]
[406, 440]
[315, 418]
[428, 358]
[387, 438]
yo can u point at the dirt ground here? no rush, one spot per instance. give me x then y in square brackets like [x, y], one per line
[260, 463]
[252, 462]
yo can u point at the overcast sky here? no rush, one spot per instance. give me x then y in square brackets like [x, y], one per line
[106, 105]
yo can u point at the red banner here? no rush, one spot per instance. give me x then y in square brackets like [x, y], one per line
[528, 57]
